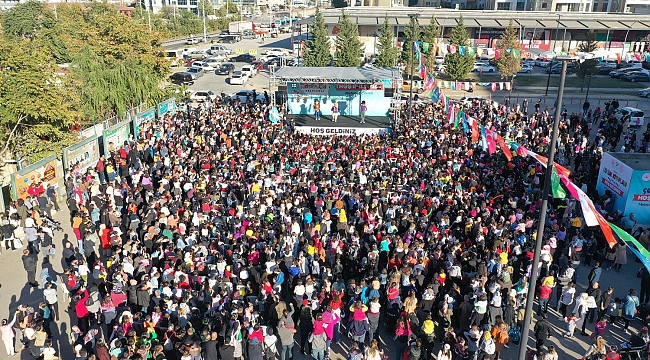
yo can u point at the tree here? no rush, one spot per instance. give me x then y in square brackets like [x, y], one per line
[508, 63]
[38, 105]
[411, 35]
[388, 52]
[430, 37]
[207, 5]
[349, 49]
[587, 67]
[317, 50]
[459, 66]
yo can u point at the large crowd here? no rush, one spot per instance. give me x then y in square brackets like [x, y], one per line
[216, 234]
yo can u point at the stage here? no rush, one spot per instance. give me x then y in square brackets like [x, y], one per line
[346, 125]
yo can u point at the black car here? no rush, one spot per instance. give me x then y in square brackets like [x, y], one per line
[603, 70]
[225, 69]
[621, 72]
[182, 78]
[557, 68]
[246, 58]
[636, 76]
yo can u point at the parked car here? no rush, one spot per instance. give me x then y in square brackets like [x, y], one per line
[637, 116]
[527, 69]
[484, 68]
[634, 64]
[620, 72]
[197, 54]
[246, 58]
[542, 62]
[191, 41]
[196, 72]
[248, 34]
[296, 62]
[229, 39]
[268, 58]
[212, 61]
[182, 78]
[529, 62]
[645, 92]
[249, 70]
[277, 52]
[246, 95]
[204, 65]
[602, 70]
[612, 64]
[636, 76]
[225, 69]
[203, 95]
[238, 78]
[219, 49]
[557, 68]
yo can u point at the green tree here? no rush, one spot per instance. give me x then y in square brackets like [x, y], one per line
[459, 66]
[349, 49]
[38, 105]
[207, 5]
[508, 63]
[411, 35]
[587, 67]
[430, 36]
[387, 51]
[317, 50]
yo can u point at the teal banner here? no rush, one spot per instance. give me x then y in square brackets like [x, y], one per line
[167, 107]
[146, 116]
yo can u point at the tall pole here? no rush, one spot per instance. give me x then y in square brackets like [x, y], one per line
[412, 16]
[548, 82]
[542, 216]
[149, 16]
[205, 33]
[588, 86]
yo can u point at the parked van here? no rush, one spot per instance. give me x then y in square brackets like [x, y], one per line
[636, 115]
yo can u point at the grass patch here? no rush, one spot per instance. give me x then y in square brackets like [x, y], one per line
[539, 80]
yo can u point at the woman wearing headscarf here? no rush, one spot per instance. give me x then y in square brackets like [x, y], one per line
[580, 309]
[8, 334]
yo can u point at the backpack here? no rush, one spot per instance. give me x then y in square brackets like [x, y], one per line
[89, 301]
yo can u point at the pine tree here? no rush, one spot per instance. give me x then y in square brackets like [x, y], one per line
[587, 67]
[508, 63]
[430, 36]
[411, 35]
[459, 66]
[317, 50]
[388, 52]
[349, 49]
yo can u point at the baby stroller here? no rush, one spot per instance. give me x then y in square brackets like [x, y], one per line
[52, 224]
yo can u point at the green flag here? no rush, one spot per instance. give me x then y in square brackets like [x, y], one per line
[459, 116]
[558, 191]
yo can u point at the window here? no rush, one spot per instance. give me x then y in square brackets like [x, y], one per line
[193, 2]
[520, 6]
[503, 6]
[605, 6]
[182, 2]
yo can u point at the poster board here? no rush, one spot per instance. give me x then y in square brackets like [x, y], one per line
[638, 198]
[45, 170]
[85, 153]
[615, 176]
[115, 136]
[167, 107]
[146, 116]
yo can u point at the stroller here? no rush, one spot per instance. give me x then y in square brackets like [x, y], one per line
[52, 224]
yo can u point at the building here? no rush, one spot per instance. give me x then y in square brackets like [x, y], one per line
[538, 31]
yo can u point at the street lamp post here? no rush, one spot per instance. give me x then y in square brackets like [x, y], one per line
[626, 34]
[205, 32]
[548, 82]
[542, 216]
[412, 16]
[588, 86]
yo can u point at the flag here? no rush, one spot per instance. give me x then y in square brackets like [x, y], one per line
[465, 126]
[470, 50]
[461, 50]
[423, 71]
[475, 131]
[429, 83]
[443, 100]
[588, 210]
[483, 138]
[604, 226]
[504, 147]
[491, 142]
[630, 239]
[497, 54]
[450, 113]
[435, 95]
[459, 115]
[558, 191]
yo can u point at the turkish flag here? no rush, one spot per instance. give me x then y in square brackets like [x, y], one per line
[491, 142]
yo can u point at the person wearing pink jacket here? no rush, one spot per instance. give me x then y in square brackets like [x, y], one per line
[8, 334]
[331, 325]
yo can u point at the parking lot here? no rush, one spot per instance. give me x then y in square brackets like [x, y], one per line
[260, 82]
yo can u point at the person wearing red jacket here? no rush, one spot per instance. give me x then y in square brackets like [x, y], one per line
[544, 294]
[83, 318]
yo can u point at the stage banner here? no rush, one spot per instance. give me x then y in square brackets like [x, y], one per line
[84, 153]
[638, 198]
[614, 176]
[45, 171]
[342, 131]
[115, 136]
[167, 107]
[146, 116]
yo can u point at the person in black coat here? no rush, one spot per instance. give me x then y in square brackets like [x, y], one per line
[542, 332]
[210, 351]
[306, 324]
[227, 352]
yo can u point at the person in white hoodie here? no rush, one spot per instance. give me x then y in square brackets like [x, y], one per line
[580, 309]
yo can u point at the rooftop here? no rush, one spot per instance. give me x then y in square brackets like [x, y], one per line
[636, 161]
[327, 74]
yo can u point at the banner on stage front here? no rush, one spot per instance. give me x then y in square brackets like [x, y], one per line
[342, 131]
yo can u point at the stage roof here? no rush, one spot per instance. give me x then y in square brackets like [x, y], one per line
[636, 161]
[337, 73]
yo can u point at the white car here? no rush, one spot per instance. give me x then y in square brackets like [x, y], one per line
[212, 61]
[277, 52]
[192, 41]
[203, 95]
[527, 69]
[612, 64]
[268, 58]
[645, 92]
[238, 78]
[484, 68]
[196, 72]
[249, 70]
[529, 62]
[206, 66]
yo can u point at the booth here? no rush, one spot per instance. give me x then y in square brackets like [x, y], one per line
[627, 177]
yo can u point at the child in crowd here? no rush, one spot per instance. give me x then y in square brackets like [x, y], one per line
[571, 321]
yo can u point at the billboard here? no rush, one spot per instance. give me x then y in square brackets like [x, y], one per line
[614, 176]
[146, 116]
[85, 154]
[42, 171]
[638, 199]
[115, 136]
[167, 107]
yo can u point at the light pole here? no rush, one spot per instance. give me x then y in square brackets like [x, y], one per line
[415, 18]
[588, 86]
[205, 33]
[542, 216]
[626, 34]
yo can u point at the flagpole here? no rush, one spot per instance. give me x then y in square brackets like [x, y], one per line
[532, 283]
